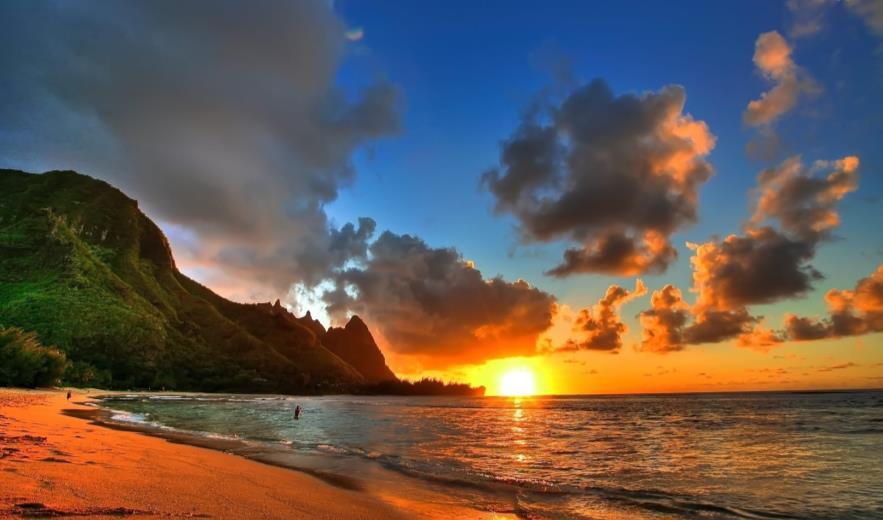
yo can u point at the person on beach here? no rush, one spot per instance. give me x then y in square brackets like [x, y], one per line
[68, 395]
[297, 413]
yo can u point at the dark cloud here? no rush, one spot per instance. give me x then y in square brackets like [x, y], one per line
[431, 304]
[670, 324]
[615, 253]
[803, 202]
[600, 327]
[763, 265]
[663, 324]
[850, 313]
[223, 119]
[714, 326]
[615, 174]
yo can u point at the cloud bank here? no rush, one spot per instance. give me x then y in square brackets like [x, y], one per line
[616, 175]
[225, 120]
[434, 306]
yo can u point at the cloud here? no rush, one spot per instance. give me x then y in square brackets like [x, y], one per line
[850, 313]
[671, 324]
[808, 17]
[766, 264]
[600, 327]
[841, 366]
[431, 304]
[617, 175]
[714, 326]
[763, 265]
[355, 34]
[760, 339]
[804, 203]
[871, 12]
[224, 120]
[663, 324]
[772, 57]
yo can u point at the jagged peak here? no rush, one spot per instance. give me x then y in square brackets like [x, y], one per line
[356, 322]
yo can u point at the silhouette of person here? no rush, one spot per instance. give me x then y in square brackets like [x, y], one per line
[297, 413]
[68, 395]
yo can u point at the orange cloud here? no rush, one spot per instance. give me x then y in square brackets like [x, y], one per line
[760, 339]
[851, 313]
[664, 322]
[772, 56]
[600, 327]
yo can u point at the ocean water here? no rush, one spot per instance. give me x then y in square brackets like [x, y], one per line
[748, 455]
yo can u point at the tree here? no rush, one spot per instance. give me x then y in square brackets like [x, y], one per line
[24, 361]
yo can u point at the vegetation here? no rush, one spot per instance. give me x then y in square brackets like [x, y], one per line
[24, 361]
[87, 271]
[425, 386]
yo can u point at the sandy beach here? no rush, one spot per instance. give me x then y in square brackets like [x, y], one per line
[53, 464]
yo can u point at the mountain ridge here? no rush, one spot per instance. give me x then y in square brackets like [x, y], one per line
[354, 344]
[83, 267]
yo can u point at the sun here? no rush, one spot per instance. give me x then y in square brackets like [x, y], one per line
[517, 382]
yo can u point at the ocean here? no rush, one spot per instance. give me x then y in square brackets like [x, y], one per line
[736, 455]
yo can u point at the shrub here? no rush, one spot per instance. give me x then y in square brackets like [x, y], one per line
[84, 375]
[24, 361]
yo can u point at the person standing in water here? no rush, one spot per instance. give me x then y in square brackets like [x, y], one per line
[297, 413]
[68, 395]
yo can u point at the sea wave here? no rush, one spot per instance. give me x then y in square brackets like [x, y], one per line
[142, 420]
[691, 456]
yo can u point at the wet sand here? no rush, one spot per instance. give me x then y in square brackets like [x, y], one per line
[54, 461]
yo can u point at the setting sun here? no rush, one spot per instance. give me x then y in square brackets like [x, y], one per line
[517, 382]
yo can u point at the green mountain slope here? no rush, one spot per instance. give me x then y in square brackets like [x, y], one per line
[86, 270]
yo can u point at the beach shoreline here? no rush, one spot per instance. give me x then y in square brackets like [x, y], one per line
[59, 457]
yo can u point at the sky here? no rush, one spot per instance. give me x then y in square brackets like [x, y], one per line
[619, 197]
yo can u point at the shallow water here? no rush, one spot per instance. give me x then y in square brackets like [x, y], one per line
[752, 455]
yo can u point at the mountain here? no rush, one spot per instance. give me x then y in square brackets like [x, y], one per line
[85, 269]
[355, 345]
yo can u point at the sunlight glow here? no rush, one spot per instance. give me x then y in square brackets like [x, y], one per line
[517, 382]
